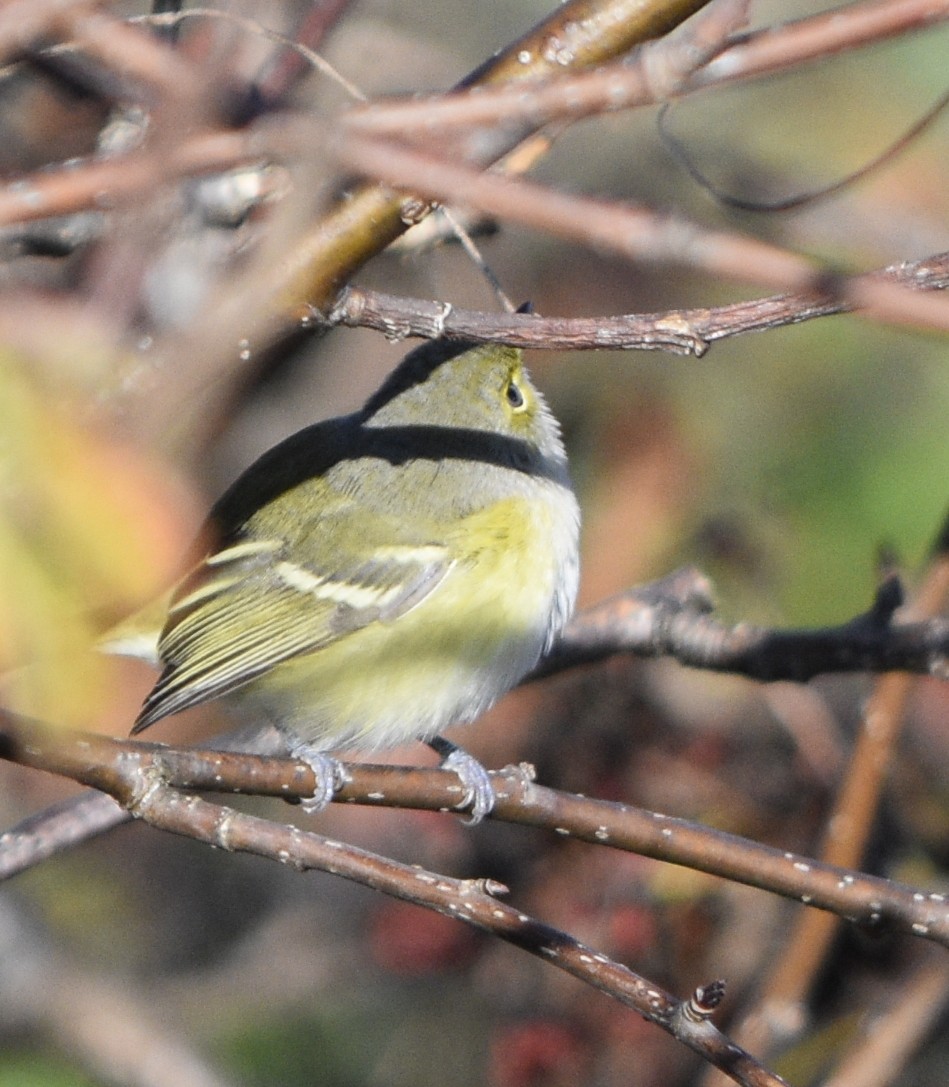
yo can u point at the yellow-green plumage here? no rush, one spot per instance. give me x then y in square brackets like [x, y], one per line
[384, 575]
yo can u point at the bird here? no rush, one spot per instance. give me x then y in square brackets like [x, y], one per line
[379, 577]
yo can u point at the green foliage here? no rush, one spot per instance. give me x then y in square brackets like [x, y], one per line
[22, 1068]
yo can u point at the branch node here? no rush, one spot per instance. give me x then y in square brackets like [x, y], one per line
[222, 830]
[491, 888]
[684, 339]
[889, 596]
[145, 785]
[685, 589]
[349, 305]
[703, 1003]
[517, 779]
[444, 312]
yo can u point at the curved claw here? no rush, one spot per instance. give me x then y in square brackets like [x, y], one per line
[330, 776]
[479, 792]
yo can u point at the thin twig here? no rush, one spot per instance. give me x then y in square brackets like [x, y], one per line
[302, 53]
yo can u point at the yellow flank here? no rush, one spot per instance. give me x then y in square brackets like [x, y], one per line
[440, 660]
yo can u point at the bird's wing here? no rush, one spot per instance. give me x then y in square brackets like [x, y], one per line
[247, 607]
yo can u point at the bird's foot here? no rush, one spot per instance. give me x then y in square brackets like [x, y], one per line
[479, 796]
[330, 776]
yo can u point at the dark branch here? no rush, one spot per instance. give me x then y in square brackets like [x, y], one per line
[670, 618]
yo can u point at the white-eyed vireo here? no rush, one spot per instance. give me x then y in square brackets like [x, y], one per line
[381, 576]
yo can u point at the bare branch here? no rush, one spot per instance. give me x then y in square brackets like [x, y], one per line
[130, 770]
[139, 784]
[303, 55]
[669, 618]
[146, 60]
[681, 332]
[623, 86]
[807, 944]
[851, 27]
[284, 264]
[597, 31]
[634, 233]
[98, 183]
[890, 1034]
[24, 21]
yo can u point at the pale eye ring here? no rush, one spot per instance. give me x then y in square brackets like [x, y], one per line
[514, 395]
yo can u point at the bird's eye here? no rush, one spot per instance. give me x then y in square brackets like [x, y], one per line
[514, 395]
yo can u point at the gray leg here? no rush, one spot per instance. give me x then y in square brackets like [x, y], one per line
[479, 795]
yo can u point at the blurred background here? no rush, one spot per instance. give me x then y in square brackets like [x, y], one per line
[783, 464]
